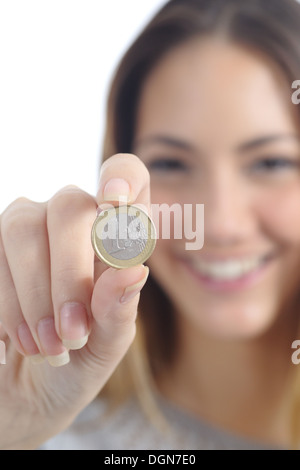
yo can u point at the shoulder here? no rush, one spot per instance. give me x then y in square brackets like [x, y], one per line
[128, 428]
[125, 428]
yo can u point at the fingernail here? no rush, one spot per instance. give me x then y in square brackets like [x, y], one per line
[74, 344]
[50, 344]
[131, 291]
[49, 341]
[26, 340]
[59, 360]
[116, 189]
[74, 325]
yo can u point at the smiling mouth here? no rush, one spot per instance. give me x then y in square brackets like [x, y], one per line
[228, 270]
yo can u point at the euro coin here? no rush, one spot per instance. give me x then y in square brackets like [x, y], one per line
[123, 236]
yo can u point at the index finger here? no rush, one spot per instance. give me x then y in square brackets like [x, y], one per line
[124, 176]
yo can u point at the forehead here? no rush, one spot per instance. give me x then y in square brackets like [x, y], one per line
[210, 85]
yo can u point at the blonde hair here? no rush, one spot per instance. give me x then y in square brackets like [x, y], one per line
[269, 26]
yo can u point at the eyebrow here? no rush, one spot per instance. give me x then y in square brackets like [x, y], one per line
[165, 140]
[241, 148]
[260, 141]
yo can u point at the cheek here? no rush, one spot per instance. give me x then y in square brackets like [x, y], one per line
[283, 219]
[161, 265]
[163, 259]
[280, 213]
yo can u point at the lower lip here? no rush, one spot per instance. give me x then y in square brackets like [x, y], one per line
[244, 282]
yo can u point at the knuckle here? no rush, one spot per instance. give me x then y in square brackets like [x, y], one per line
[70, 200]
[16, 206]
[125, 317]
[67, 274]
[23, 218]
[36, 292]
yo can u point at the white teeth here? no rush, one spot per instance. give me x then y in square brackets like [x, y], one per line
[226, 270]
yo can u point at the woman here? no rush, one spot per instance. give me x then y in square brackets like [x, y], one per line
[203, 97]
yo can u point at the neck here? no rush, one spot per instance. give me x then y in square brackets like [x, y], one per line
[238, 385]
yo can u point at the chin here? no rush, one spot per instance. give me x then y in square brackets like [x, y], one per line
[232, 322]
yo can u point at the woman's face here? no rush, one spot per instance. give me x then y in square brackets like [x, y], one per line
[216, 126]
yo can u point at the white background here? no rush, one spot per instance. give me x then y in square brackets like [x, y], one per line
[56, 61]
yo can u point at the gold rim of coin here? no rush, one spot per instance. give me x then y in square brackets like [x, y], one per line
[102, 221]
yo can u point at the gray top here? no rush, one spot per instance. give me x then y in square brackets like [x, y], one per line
[129, 429]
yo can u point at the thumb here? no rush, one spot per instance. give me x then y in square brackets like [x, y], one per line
[114, 309]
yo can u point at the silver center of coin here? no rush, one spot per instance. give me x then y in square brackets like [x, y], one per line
[124, 236]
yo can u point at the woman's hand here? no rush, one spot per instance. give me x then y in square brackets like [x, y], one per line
[60, 305]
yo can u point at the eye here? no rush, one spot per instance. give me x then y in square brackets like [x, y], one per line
[163, 164]
[275, 164]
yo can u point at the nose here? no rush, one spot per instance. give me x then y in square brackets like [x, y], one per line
[229, 215]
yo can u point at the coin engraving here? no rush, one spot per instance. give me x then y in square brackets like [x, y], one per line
[133, 244]
[123, 236]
